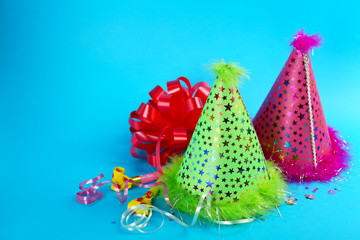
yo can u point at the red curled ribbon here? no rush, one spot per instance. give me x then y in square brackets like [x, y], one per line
[164, 126]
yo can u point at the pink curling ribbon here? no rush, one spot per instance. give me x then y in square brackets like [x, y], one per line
[168, 119]
[91, 194]
[149, 177]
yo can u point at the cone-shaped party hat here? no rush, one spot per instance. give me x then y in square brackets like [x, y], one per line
[224, 160]
[291, 124]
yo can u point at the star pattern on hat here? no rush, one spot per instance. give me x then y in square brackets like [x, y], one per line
[283, 121]
[224, 157]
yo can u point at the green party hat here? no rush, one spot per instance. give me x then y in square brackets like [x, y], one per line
[224, 159]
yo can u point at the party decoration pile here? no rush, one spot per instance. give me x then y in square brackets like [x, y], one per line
[168, 119]
[224, 162]
[291, 124]
[218, 165]
[223, 175]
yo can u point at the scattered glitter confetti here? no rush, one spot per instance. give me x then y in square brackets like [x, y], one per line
[337, 189]
[331, 192]
[315, 189]
[310, 196]
[292, 198]
[306, 187]
[290, 202]
[262, 219]
[113, 222]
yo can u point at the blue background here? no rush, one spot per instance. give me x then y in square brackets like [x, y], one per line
[72, 71]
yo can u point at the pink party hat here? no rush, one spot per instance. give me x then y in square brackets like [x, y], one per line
[291, 124]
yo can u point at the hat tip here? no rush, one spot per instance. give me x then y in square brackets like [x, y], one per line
[305, 42]
[229, 72]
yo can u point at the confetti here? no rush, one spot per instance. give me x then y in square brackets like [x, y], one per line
[315, 189]
[306, 187]
[113, 222]
[262, 219]
[292, 198]
[310, 196]
[290, 202]
[331, 192]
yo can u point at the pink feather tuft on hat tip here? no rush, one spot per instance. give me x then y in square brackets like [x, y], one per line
[304, 42]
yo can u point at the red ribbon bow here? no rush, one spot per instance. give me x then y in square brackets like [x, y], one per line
[164, 125]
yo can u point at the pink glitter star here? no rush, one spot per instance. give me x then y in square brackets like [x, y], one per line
[293, 96]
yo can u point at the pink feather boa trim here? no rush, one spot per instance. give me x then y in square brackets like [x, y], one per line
[328, 166]
[304, 42]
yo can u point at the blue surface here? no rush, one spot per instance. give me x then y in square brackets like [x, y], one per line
[71, 73]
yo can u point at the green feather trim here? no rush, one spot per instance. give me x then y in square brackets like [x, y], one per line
[230, 72]
[259, 202]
